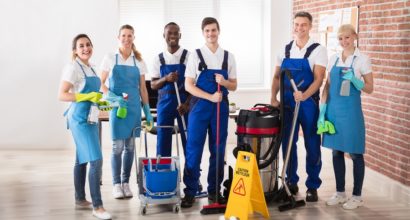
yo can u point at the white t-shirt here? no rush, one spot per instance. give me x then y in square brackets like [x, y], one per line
[169, 58]
[317, 57]
[361, 64]
[212, 61]
[109, 62]
[73, 74]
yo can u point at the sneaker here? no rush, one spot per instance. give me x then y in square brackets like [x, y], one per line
[336, 199]
[353, 203]
[127, 191]
[83, 204]
[293, 188]
[311, 195]
[187, 201]
[117, 191]
[212, 198]
[101, 214]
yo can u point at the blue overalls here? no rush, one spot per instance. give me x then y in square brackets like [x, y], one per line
[168, 103]
[307, 118]
[202, 120]
[125, 79]
[345, 112]
[85, 135]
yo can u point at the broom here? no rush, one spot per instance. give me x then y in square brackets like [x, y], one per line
[215, 208]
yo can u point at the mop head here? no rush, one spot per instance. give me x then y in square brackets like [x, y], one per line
[292, 204]
[214, 208]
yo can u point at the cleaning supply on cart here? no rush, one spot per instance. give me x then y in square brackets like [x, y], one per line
[348, 75]
[92, 97]
[118, 101]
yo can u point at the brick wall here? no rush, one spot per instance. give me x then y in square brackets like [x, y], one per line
[384, 34]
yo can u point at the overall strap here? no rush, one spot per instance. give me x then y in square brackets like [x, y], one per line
[225, 61]
[116, 59]
[202, 65]
[81, 66]
[351, 65]
[337, 60]
[183, 56]
[133, 59]
[310, 49]
[161, 58]
[287, 49]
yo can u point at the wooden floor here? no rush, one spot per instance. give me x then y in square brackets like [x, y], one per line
[38, 184]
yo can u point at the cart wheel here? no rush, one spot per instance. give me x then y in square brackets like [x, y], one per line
[176, 208]
[143, 210]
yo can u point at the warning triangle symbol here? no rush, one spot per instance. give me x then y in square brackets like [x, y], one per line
[240, 188]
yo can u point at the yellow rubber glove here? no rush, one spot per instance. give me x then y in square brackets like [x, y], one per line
[92, 97]
[104, 106]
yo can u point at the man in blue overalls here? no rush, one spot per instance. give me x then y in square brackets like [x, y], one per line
[169, 67]
[307, 62]
[208, 69]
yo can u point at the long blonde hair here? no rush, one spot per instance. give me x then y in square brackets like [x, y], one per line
[137, 54]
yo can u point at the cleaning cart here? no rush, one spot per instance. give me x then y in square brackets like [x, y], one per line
[158, 178]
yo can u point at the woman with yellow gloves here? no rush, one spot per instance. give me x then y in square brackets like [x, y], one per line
[80, 85]
[125, 71]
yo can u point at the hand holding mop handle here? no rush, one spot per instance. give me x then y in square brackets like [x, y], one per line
[218, 106]
[179, 103]
[292, 132]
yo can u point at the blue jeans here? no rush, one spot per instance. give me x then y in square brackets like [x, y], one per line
[94, 175]
[122, 157]
[340, 171]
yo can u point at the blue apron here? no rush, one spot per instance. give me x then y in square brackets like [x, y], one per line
[125, 79]
[168, 103]
[345, 112]
[85, 135]
[202, 121]
[307, 118]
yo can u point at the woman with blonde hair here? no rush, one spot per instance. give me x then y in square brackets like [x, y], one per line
[126, 71]
[349, 73]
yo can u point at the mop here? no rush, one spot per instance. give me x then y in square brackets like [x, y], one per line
[215, 208]
[200, 193]
[292, 203]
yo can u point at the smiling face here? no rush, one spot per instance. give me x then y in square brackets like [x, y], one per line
[83, 49]
[301, 27]
[346, 40]
[211, 33]
[126, 38]
[172, 35]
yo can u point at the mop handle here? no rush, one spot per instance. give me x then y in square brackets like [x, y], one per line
[179, 103]
[292, 132]
[218, 105]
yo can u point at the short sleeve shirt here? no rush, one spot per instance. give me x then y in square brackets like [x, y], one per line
[361, 63]
[110, 59]
[170, 58]
[212, 60]
[73, 74]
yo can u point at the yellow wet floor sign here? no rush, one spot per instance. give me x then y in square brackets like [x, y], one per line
[246, 195]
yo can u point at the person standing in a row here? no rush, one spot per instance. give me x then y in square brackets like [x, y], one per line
[80, 85]
[126, 71]
[208, 68]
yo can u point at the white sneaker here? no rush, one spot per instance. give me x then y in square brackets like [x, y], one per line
[127, 190]
[353, 203]
[117, 191]
[101, 215]
[336, 199]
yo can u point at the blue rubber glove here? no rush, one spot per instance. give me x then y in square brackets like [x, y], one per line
[322, 112]
[148, 116]
[348, 74]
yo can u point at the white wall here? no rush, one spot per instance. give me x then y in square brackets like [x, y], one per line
[35, 44]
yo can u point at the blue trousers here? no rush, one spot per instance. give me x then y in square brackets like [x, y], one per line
[307, 119]
[94, 175]
[340, 171]
[122, 157]
[202, 121]
[166, 114]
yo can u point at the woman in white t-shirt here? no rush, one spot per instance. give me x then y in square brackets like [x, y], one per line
[342, 108]
[80, 85]
[126, 72]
